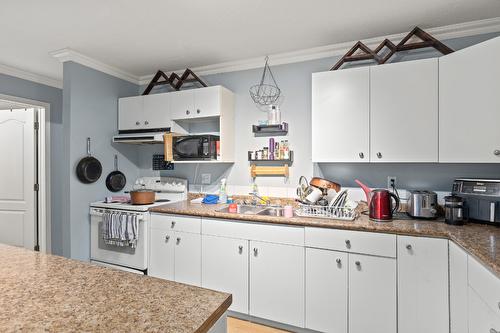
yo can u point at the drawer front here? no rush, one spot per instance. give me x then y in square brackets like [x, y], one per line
[481, 318]
[176, 223]
[254, 231]
[485, 283]
[352, 241]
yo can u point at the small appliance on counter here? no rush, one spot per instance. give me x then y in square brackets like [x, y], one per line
[481, 199]
[422, 204]
[454, 210]
[380, 207]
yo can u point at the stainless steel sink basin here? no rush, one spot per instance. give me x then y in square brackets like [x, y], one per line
[255, 210]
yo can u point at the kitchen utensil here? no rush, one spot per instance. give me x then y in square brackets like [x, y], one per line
[454, 210]
[379, 203]
[324, 184]
[88, 169]
[116, 180]
[339, 200]
[302, 188]
[313, 194]
[288, 211]
[142, 197]
[422, 204]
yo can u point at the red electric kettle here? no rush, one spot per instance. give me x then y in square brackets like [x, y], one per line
[379, 203]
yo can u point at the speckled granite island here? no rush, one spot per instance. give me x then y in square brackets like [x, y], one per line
[45, 293]
[481, 241]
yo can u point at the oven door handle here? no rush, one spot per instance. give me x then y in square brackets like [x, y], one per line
[101, 213]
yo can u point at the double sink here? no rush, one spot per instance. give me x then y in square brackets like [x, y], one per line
[255, 210]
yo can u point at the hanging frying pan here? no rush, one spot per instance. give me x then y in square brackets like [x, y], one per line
[89, 169]
[116, 180]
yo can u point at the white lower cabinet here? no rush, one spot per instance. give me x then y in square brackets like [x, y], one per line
[372, 294]
[188, 258]
[482, 319]
[423, 285]
[458, 289]
[161, 254]
[326, 290]
[225, 268]
[277, 282]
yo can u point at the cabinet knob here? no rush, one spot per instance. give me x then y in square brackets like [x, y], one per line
[173, 224]
[198, 111]
[492, 330]
[348, 243]
[167, 238]
[357, 263]
[379, 155]
[496, 152]
[408, 246]
[146, 122]
[361, 155]
[137, 123]
[240, 248]
[338, 261]
[187, 112]
[255, 251]
[178, 240]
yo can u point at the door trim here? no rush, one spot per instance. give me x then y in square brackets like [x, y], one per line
[44, 200]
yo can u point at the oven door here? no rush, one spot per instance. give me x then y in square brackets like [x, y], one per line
[118, 255]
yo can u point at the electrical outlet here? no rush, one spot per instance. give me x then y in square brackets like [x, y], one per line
[206, 178]
[391, 182]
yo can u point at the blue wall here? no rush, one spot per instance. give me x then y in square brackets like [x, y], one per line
[26, 89]
[90, 110]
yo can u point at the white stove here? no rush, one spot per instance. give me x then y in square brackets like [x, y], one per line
[168, 190]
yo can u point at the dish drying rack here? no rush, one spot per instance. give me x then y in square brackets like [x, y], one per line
[327, 212]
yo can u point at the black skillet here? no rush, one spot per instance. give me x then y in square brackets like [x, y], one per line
[116, 180]
[89, 169]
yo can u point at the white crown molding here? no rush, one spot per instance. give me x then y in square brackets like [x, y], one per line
[67, 54]
[29, 76]
[441, 33]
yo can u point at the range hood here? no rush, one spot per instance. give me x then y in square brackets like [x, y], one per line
[139, 138]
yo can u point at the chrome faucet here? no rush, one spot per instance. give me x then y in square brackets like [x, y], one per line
[256, 196]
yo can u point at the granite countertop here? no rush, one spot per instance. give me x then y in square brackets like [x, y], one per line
[46, 293]
[481, 241]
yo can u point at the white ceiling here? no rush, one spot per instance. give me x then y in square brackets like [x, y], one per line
[140, 37]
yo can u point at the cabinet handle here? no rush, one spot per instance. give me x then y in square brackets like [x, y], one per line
[499, 305]
[338, 261]
[146, 122]
[379, 155]
[198, 111]
[361, 155]
[137, 123]
[348, 243]
[167, 238]
[255, 251]
[240, 248]
[408, 247]
[187, 112]
[357, 263]
[173, 224]
[496, 152]
[178, 240]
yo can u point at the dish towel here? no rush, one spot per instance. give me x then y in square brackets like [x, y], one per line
[120, 229]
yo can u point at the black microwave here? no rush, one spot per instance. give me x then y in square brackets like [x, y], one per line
[195, 147]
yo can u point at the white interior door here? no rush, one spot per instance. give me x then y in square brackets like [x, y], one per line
[17, 177]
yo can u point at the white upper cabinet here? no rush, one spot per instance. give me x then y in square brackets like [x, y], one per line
[469, 104]
[404, 112]
[340, 115]
[156, 112]
[182, 104]
[200, 103]
[207, 101]
[423, 285]
[130, 113]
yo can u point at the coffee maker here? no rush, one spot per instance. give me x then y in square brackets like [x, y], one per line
[481, 198]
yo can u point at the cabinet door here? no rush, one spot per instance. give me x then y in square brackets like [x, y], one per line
[340, 115]
[326, 290]
[130, 113]
[422, 285]
[207, 102]
[161, 254]
[225, 268]
[372, 294]
[277, 282]
[481, 317]
[404, 112]
[469, 104]
[182, 104]
[157, 111]
[188, 258]
[458, 289]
